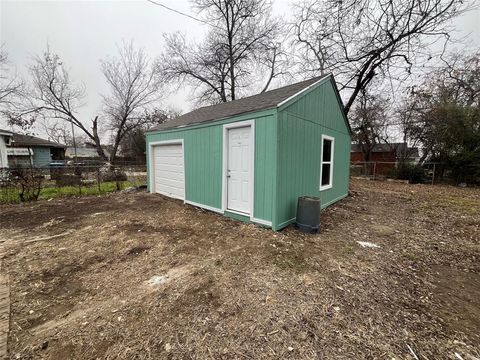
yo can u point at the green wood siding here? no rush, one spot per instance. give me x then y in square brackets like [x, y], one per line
[300, 128]
[42, 156]
[203, 152]
[265, 161]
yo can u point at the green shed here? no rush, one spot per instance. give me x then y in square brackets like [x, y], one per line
[250, 159]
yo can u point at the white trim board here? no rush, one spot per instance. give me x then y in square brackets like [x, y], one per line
[206, 207]
[237, 213]
[151, 166]
[262, 222]
[303, 90]
[286, 223]
[226, 127]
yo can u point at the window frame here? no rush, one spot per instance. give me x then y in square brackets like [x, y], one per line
[331, 162]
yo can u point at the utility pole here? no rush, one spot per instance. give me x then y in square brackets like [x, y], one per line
[74, 142]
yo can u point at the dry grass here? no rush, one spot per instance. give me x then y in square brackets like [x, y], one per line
[231, 290]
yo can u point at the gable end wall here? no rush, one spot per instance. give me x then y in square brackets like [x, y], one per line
[301, 124]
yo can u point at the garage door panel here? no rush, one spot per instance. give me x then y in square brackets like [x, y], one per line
[169, 159]
[170, 182]
[171, 148]
[178, 169]
[170, 191]
[169, 177]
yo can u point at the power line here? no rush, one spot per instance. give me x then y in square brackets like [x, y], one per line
[206, 22]
[183, 14]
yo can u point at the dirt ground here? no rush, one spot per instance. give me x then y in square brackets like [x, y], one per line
[140, 276]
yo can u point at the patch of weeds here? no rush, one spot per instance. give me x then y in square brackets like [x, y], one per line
[136, 227]
[462, 204]
[218, 262]
[410, 256]
[426, 207]
[202, 294]
[137, 250]
[349, 249]
[279, 244]
[473, 211]
[291, 261]
[52, 192]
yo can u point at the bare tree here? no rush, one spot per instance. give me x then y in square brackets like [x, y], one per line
[133, 145]
[57, 132]
[60, 132]
[134, 87]
[10, 85]
[314, 40]
[52, 95]
[443, 112]
[243, 37]
[362, 40]
[461, 73]
[369, 120]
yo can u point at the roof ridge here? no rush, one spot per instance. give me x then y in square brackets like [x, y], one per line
[39, 141]
[264, 92]
[261, 101]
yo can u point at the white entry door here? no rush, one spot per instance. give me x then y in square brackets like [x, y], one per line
[238, 169]
[168, 171]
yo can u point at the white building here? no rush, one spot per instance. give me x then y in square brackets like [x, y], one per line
[5, 138]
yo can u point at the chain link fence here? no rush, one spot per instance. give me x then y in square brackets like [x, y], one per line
[427, 173]
[27, 183]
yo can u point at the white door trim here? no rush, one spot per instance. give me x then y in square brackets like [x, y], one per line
[151, 176]
[226, 127]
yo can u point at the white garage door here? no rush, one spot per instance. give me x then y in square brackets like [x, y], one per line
[168, 175]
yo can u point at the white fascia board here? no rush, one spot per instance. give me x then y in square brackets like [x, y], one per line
[303, 90]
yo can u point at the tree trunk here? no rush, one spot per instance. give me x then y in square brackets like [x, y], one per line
[113, 155]
[96, 139]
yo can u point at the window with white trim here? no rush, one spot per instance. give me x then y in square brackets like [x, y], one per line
[326, 162]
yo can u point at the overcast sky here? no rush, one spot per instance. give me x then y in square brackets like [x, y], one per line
[83, 32]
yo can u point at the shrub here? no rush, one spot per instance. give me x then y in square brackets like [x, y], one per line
[415, 174]
[68, 180]
[28, 181]
[114, 175]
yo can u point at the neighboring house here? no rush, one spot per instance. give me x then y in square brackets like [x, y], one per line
[251, 159]
[386, 156]
[5, 139]
[26, 150]
[84, 153]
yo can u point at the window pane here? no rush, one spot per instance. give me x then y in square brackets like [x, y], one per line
[327, 150]
[325, 174]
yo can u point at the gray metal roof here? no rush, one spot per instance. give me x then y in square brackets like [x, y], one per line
[5, 132]
[20, 140]
[262, 101]
[83, 152]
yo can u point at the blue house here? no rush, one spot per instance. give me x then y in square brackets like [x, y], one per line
[31, 150]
